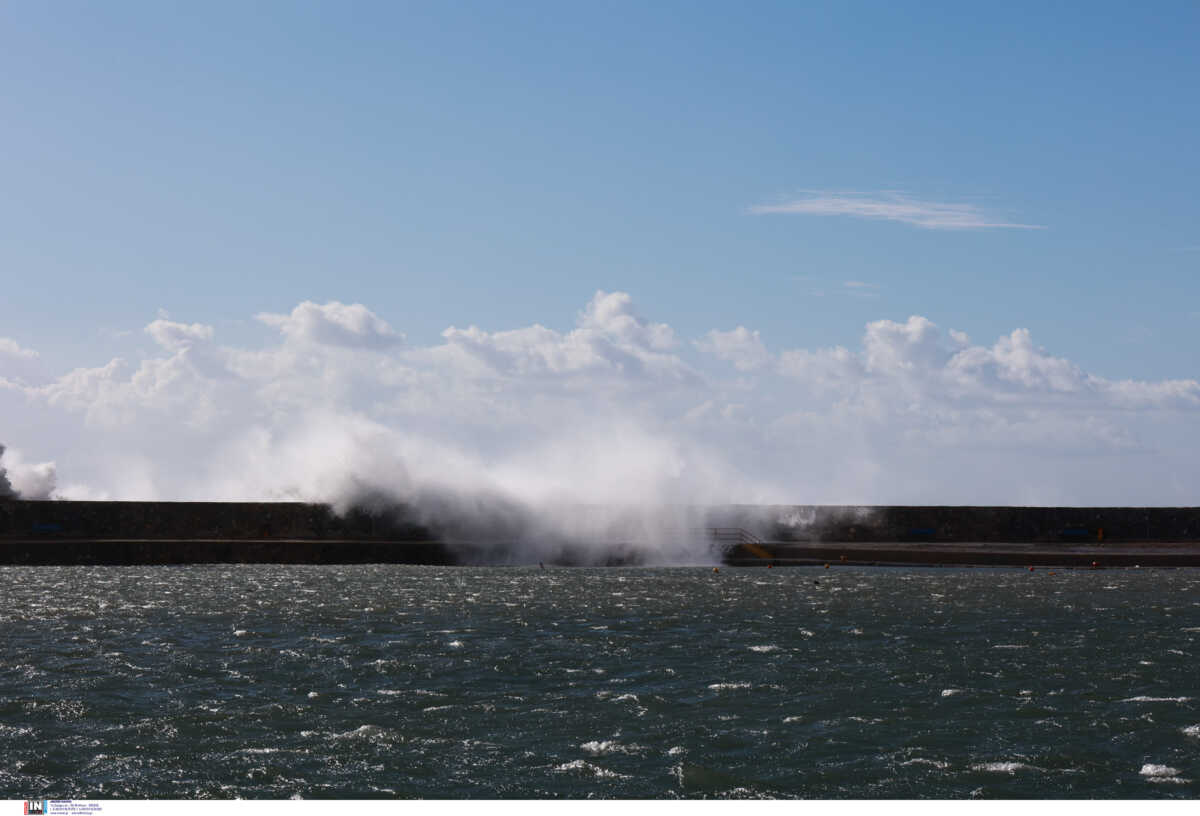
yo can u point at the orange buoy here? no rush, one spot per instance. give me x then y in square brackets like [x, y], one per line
[715, 569]
[826, 566]
[1031, 569]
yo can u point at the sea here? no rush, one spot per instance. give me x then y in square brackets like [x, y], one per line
[384, 681]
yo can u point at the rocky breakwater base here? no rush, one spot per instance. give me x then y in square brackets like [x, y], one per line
[70, 532]
[1084, 537]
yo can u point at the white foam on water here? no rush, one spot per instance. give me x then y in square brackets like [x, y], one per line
[312, 695]
[455, 644]
[1161, 773]
[728, 686]
[793, 719]
[626, 697]
[933, 763]
[428, 709]
[1191, 730]
[1011, 646]
[806, 633]
[367, 732]
[601, 747]
[950, 692]
[770, 647]
[1141, 698]
[389, 692]
[1003, 767]
[240, 633]
[675, 750]
[584, 767]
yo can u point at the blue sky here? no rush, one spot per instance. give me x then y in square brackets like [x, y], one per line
[497, 164]
[448, 164]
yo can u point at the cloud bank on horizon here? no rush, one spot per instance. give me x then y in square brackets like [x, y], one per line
[618, 410]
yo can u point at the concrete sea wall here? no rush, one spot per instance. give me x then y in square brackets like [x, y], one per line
[64, 532]
[69, 532]
[816, 523]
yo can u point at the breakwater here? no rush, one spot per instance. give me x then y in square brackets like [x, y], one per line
[68, 532]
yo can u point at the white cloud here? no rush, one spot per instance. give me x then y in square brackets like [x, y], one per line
[610, 340]
[612, 410]
[335, 324]
[889, 206]
[178, 336]
[13, 349]
[742, 347]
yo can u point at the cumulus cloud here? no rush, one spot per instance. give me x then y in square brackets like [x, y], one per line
[11, 348]
[335, 324]
[742, 347]
[611, 341]
[615, 410]
[890, 206]
[178, 336]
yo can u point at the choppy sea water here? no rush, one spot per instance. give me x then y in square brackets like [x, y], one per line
[400, 681]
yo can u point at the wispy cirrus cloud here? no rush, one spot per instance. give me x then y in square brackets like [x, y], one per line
[890, 206]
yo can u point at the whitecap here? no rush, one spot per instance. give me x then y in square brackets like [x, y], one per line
[362, 732]
[729, 686]
[1142, 698]
[1011, 646]
[770, 647]
[1191, 730]
[1150, 769]
[950, 692]
[599, 747]
[584, 767]
[1003, 767]
[455, 644]
[933, 763]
